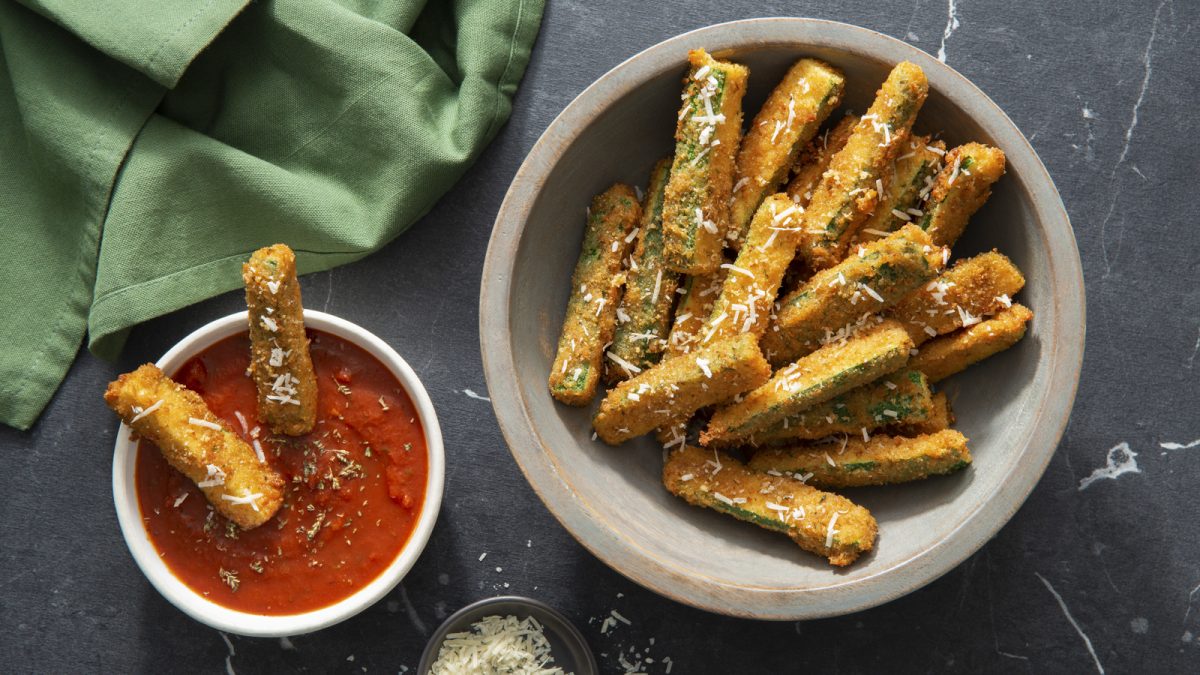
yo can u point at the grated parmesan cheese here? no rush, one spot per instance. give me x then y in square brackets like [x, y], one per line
[497, 644]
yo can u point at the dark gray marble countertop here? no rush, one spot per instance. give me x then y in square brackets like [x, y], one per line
[1080, 578]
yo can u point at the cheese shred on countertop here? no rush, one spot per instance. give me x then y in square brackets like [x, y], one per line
[497, 644]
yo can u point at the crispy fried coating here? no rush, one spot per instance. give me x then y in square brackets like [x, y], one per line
[644, 315]
[699, 296]
[591, 315]
[709, 129]
[279, 360]
[748, 294]
[941, 417]
[849, 190]
[879, 274]
[679, 386]
[911, 173]
[823, 523]
[900, 397]
[882, 460]
[951, 354]
[787, 121]
[814, 160]
[973, 288]
[962, 186]
[197, 444]
[835, 368]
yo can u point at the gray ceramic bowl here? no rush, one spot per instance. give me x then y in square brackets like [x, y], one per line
[1013, 407]
[567, 645]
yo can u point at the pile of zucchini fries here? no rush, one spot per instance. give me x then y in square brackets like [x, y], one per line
[784, 295]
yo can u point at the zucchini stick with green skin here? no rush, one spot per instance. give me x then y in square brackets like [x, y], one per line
[238, 484]
[699, 296]
[899, 397]
[823, 523]
[962, 186]
[953, 353]
[879, 274]
[974, 288]
[279, 360]
[644, 315]
[902, 191]
[591, 315]
[834, 369]
[940, 418]
[814, 160]
[882, 460]
[696, 210]
[849, 190]
[787, 121]
[680, 386]
[748, 294]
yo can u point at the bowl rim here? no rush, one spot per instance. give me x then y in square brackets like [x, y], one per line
[262, 625]
[1051, 406]
[477, 610]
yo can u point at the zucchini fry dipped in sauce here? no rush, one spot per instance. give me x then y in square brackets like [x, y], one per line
[962, 186]
[882, 460]
[679, 386]
[901, 397]
[902, 192]
[644, 315]
[748, 294]
[836, 368]
[234, 479]
[595, 291]
[814, 160]
[875, 276]
[951, 354]
[279, 360]
[849, 190]
[972, 289]
[940, 418]
[787, 121]
[823, 523]
[696, 210]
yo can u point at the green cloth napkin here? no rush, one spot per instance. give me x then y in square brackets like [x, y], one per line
[147, 148]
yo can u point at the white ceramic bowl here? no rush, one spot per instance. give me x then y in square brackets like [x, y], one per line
[257, 625]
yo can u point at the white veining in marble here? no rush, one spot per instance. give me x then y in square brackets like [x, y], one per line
[1121, 460]
[1087, 642]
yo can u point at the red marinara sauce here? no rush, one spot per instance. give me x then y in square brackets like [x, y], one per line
[354, 491]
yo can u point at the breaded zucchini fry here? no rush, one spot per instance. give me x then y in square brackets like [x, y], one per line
[952, 353]
[880, 274]
[849, 190]
[882, 460]
[962, 186]
[699, 296]
[974, 288]
[823, 523]
[787, 121]
[644, 316]
[900, 397]
[833, 369]
[197, 444]
[279, 360]
[595, 290]
[748, 294]
[814, 160]
[696, 210]
[940, 417]
[902, 191]
[679, 386]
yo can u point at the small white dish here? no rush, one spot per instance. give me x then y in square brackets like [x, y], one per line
[258, 625]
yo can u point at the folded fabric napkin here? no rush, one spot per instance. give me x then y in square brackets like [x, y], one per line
[147, 148]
